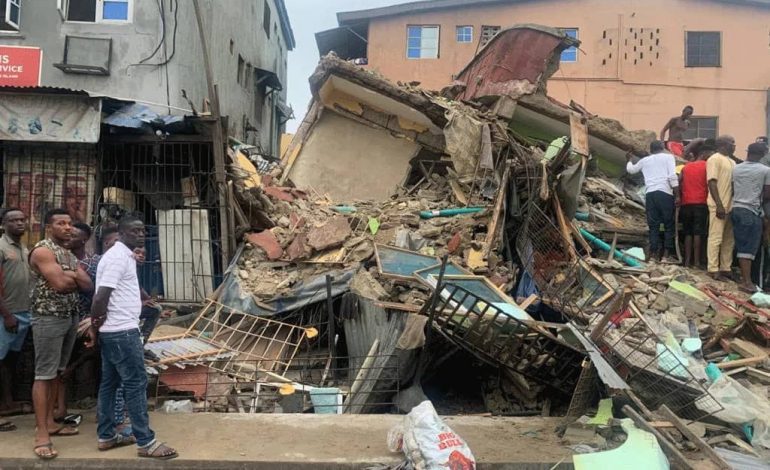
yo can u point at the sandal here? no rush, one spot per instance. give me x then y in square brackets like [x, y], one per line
[48, 454]
[72, 420]
[65, 431]
[118, 441]
[157, 450]
[6, 426]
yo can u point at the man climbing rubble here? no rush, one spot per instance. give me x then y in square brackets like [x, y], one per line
[676, 127]
[751, 185]
[719, 173]
[661, 199]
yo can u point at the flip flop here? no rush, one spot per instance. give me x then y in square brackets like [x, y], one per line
[119, 441]
[51, 454]
[72, 420]
[150, 451]
[6, 426]
[65, 431]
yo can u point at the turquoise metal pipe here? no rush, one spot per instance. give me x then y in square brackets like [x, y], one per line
[602, 245]
[450, 212]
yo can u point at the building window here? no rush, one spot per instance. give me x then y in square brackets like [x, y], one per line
[465, 34]
[487, 33]
[703, 49]
[422, 42]
[706, 127]
[98, 11]
[239, 74]
[570, 54]
[10, 14]
[266, 19]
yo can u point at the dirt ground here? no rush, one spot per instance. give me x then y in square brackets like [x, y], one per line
[348, 439]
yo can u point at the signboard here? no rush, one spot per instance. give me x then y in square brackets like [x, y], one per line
[20, 66]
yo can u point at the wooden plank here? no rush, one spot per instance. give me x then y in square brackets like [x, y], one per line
[667, 446]
[746, 348]
[741, 362]
[687, 432]
[758, 374]
[502, 193]
[569, 245]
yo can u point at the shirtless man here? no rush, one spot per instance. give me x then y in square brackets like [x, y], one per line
[676, 127]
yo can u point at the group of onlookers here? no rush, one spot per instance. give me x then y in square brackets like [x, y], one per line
[66, 296]
[719, 199]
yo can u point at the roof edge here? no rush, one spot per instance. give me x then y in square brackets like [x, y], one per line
[431, 5]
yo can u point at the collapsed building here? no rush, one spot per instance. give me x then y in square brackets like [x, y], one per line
[414, 243]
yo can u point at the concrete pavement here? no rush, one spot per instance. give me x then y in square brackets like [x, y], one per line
[288, 441]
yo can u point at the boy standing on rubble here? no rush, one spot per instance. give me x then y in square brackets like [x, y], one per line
[694, 213]
[751, 183]
[662, 196]
[719, 173]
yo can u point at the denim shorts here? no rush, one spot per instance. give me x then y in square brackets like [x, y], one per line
[54, 339]
[747, 227]
[14, 341]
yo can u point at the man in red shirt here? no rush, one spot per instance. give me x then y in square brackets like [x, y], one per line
[694, 214]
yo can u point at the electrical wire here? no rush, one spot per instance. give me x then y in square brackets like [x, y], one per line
[173, 37]
[162, 35]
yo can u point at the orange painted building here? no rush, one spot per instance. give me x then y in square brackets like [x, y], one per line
[640, 61]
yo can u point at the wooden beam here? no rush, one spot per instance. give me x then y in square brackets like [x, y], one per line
[741, 362]
[667, 446]
[687, 432]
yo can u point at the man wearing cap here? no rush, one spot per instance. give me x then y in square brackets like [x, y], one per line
[751, 185]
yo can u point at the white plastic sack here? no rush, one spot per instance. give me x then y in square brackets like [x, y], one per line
[428, 443]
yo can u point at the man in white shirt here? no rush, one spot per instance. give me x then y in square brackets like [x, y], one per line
[115, 312]
[662, 197]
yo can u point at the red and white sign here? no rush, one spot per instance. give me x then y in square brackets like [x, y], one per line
[20, 66]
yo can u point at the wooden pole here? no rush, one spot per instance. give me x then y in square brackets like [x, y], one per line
[225, 221]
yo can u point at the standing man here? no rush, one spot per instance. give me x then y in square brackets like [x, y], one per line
[54, 323]
[751, 183]
[719, 174]
[662, 196]
[694, 213]
[14, 304]
[115, 312]
[676, 127]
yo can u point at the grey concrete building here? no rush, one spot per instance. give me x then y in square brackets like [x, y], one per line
[149, 51]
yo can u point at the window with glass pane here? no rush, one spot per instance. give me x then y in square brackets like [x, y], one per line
[115, 10]
[465, 34]
[422, 42]
[703, 49]
[702, 127]
[570, 54]
[10, 12]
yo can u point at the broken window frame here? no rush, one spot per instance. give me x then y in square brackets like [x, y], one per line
[570, 55]
[695, 55]
[488, 32]
[464, 34]
[7, 25]
[698, 130]
[422, 47]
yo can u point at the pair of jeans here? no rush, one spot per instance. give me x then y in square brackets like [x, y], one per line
[660, 209]
[148, 319]
[123, 363]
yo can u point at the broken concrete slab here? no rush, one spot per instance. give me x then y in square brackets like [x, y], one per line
[329, 235]
[267, 242]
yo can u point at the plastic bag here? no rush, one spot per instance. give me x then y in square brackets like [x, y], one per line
[174, 406]
[428, 443]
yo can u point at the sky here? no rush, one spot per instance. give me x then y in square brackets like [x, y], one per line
[307, 18]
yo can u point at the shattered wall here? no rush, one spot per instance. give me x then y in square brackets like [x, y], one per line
[348, 160]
